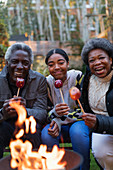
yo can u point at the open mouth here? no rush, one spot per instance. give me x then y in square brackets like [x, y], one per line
[17, 74]
[99, 70]
[58, 72]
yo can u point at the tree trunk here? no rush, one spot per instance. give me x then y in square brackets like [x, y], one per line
[39, 18]
[19, 18]
[50, 21]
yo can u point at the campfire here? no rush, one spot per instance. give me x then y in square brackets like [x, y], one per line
[22, 155]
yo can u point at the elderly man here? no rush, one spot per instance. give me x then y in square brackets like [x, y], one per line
[33, 96]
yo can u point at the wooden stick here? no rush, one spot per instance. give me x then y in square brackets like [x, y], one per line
[81, 106]
[18, 92]
[61, 95]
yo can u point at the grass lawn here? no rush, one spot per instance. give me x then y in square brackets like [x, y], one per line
[6, 154]
[93, 164]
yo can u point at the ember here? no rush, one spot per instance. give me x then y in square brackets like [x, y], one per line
[23, 157]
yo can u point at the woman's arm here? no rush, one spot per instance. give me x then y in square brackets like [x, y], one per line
[99, 123]
[105, 124]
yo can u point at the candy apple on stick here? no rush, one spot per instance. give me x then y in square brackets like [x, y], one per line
[59, 84]
[75, 95]
[19, 83]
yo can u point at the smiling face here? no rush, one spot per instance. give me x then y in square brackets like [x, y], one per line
[58, 66]
[18, 65]
[99, 62]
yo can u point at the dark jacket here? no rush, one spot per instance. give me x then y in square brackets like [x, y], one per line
[35, 93]
[105, 123]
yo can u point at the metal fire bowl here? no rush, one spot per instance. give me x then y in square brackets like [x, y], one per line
[73, 159]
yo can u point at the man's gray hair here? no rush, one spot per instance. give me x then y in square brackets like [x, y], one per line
[19, 46]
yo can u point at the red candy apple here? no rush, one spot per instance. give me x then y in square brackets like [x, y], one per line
[20, 82]
[58, 84]
[75, 93]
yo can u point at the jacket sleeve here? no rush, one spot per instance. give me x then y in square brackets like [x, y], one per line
[105, 124]
[71, 117]
[39, 108]
[1, 118]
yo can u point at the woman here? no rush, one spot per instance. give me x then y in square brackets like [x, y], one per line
[65, 115]
[97, 98]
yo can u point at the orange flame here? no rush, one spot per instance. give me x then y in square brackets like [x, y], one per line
[21, 111]
[22, 155]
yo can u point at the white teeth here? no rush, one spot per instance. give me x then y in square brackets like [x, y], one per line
[99, 69]
[18, 73]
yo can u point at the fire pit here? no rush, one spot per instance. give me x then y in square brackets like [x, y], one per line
[73, 159]
[23, 157]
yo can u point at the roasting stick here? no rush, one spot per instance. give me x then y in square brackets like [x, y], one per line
[61, 95]
[18, 92]
[80, 106]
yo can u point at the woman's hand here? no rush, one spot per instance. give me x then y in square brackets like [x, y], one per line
[90, 120]
[62, 109]
[53, 129]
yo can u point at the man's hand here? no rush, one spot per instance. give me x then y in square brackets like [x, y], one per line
[8, 111]
[90, 120]
[62, 109]
[53, 129]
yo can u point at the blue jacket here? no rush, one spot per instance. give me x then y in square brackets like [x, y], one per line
[35, 93]
[105, 123]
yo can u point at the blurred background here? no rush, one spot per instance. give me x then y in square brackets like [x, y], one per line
[48, 24]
